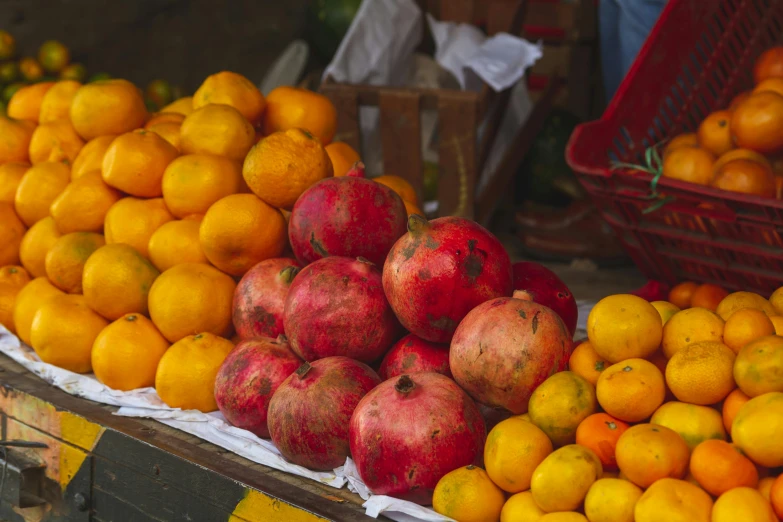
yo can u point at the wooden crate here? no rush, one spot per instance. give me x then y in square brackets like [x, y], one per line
[461, 154]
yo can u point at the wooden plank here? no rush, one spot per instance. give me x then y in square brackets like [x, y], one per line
[347, 104]
[505, 16]
[457, 124]
[555, 60]
[460, 11]
[401, 137]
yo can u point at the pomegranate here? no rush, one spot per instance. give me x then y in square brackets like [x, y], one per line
[356, 170]
[259, 298]
[410, 431]
[336, 306]
[247, 379]
[440, 270]
[347, 216]
[412, 354]
[310, 411]
[505, 348]
[540, 285]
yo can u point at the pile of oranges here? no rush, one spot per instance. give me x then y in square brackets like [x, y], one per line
[738, 148]
[664, 415]
[123, 233]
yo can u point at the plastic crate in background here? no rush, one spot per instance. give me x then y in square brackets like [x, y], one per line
[697, 57]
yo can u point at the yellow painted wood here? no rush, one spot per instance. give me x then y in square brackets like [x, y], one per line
[257, 507]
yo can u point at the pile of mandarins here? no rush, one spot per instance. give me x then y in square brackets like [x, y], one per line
[124, 232]
[665, 415]
[738, 148]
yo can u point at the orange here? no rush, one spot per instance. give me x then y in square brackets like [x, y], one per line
[230, 88]
[560, 404]
[701, 373]
[410, 208]
[777, 322]
[510, 464]
[692, 325]
[708, 296]
[775, 495]
[192, 183]
[731, 405]
[12, 280]
[10, 176]
[739, 300]
[757, 369]
[563, 516]
[770, 85]
[600, 432]
[83, 205]
[55, 141]
[649, 452]
[756, 429]
[38, 189]
[693, 423]
[135, 163]
[757, 122]
[56, 103]
[30, 68]
[399, 185]
[53, 56]
[74, 71]
[768, 65]
[285, 164]
[63, 332]
[688, 139]
[631, 390]
[745, 326]
[665, 309]
[169, 132]
[12, 230]
[7, 45]
[521, 507]
[720, 466]
[291, 107]
[164, 117]
[90, 157]
[36, 244]
[16, 139]
[343, 157]
[586, 362]
[126, 353]
[107, 107]
[191, 297]
[240, 231]
[611, 500]
[745, 154]
[133, 221]
[745, 504]
[765, 488]
[714, 133]
[186, 373]
[25, 104]
[28, 301]
[690, 164]
[562, 480]
[776, 300]
[65, 260]
[176, 242]
[467, 494]
[672, 500]
[623, 327]
[219, 130]
[680, 295]
[117, 281]
[182, 106]
[746, 177]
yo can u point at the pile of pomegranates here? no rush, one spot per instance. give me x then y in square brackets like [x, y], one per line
[390, 339]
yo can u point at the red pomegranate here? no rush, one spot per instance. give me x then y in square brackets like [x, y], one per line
[505, 348]
[247, 379]
[259, 298]
[540, 285]
[412, 354]
[410, 431]
[347, 216]
[336, 306]
[440, 270]
[310, 411]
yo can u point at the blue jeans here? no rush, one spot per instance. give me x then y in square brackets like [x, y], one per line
[623, 26]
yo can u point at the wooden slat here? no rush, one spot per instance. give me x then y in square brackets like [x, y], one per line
[505, 16]
[457, 124]
[460, 11]
[401, 137]
[347, 103]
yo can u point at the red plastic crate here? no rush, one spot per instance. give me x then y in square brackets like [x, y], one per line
[697, 57]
